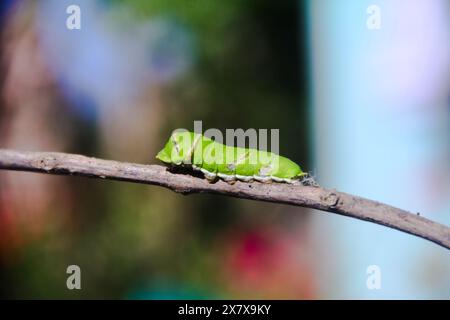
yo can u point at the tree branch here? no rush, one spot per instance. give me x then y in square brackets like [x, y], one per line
[297, 195]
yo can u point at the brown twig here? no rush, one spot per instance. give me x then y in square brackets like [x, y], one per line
[298, 195]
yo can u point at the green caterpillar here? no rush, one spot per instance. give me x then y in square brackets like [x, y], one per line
[216, 160]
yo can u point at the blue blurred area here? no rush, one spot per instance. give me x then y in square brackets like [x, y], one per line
[113, 58]
[5, 6]
[381, 128]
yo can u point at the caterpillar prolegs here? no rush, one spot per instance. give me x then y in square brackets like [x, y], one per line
[216, 160]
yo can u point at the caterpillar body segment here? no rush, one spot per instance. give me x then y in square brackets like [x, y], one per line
[216, 160]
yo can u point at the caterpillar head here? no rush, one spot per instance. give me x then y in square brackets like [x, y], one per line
[178, 148]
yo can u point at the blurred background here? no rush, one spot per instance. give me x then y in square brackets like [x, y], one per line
[360, 91]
